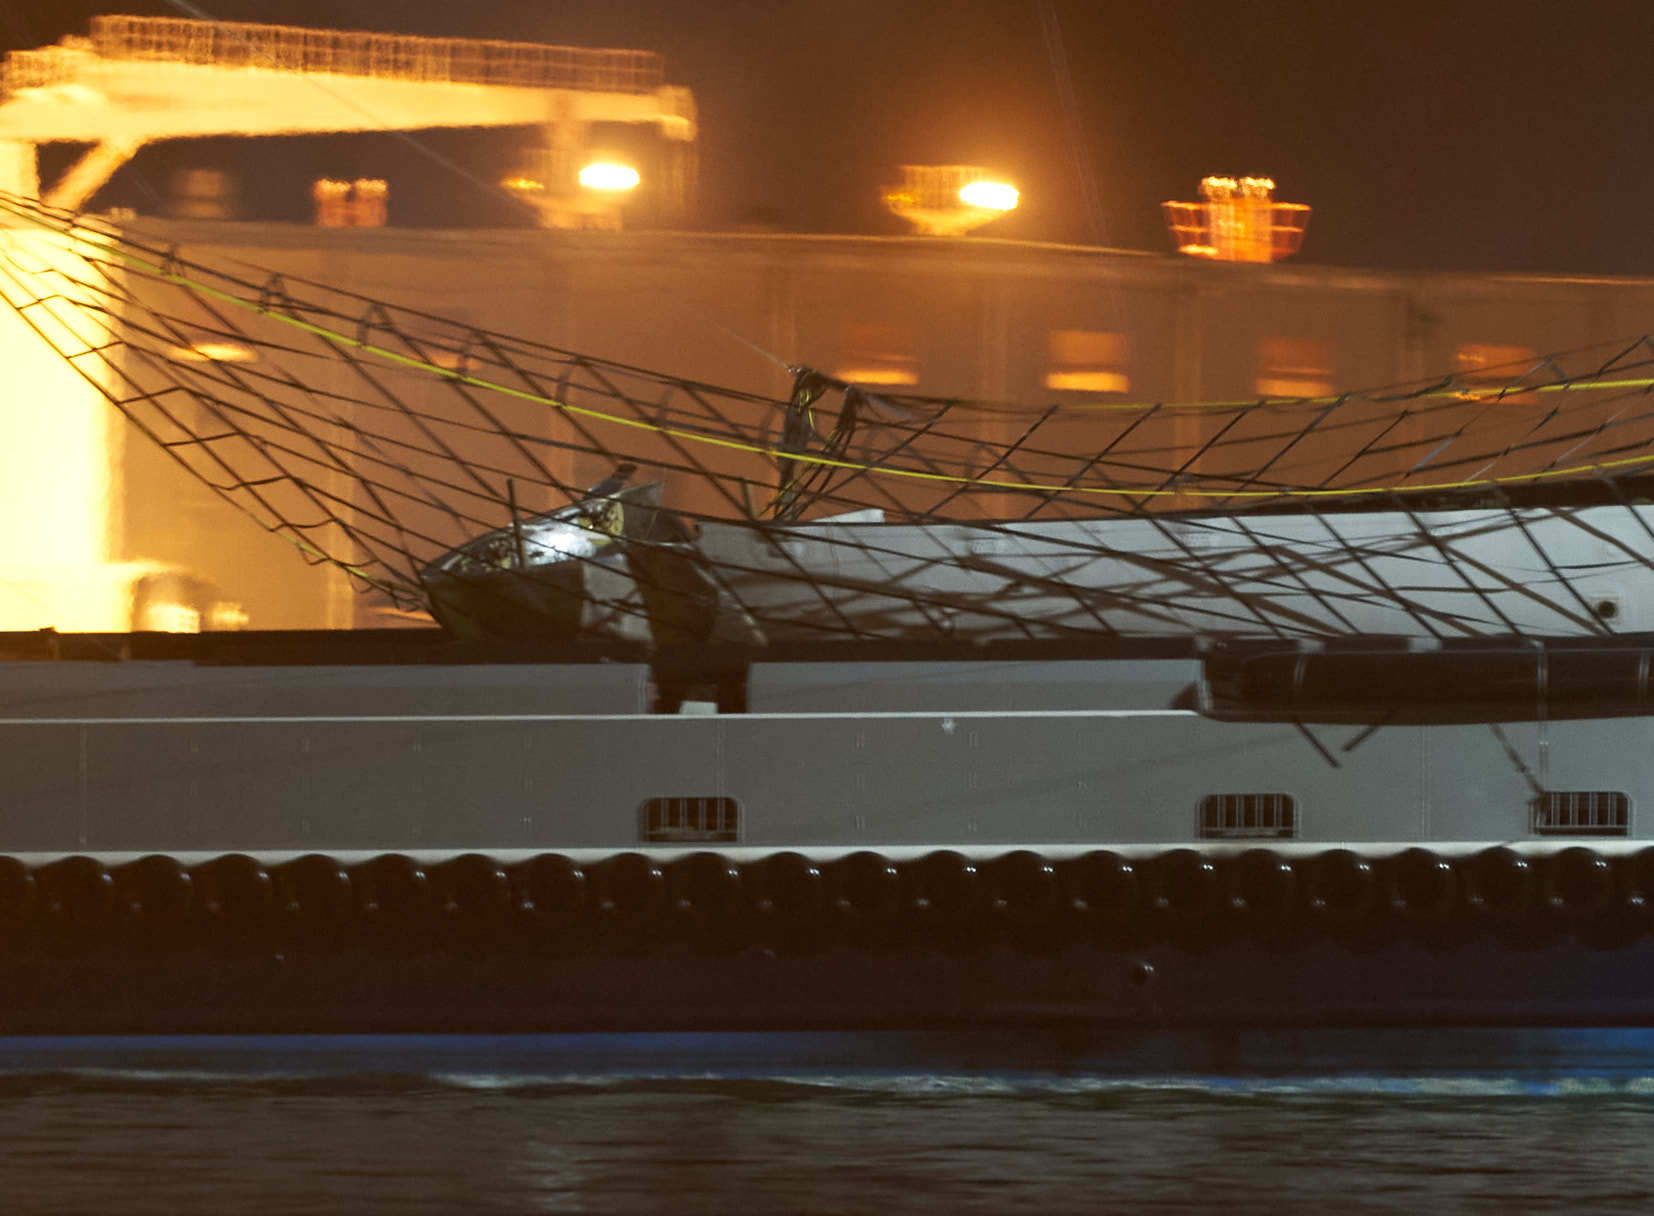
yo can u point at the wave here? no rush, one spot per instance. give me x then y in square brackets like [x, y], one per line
[935, 1065]
[785, 1086]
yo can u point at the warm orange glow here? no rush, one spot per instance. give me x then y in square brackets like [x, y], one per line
[875, 373]
[1088, 361]
[370, 202]
[990, 196]
[1237, 220]
[358, 204]
[141, 80]
[878, 353]
[332, 199]
[214, 352]
[166, 616]
[1495, 368]
[524, 185]
[1295, 367]
[227, 615]
[949, 200]
[57, 464]
[606, 175]
[1499, 361]
[1221, 189]
[1089, 382]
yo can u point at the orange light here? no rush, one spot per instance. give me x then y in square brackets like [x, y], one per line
[214, 352]
[949, 200]
[167, 616]
[990, 196]
[878, 374]
[606, 175]
[1238, 220]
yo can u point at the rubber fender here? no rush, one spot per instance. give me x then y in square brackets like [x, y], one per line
[1638, 870]
[1498, 883]
[706, 886]
[472, 889]
[552, 890]
[78, 893]
[391, 888]
[1261, 885]
[1577, 884]
[631, 889]
[19, 895]
[1340, 885]
[865, 886]
[866, 898]
[154, 890]
[1625, 918]
[1100, 882]
[1022, 887]
[314, 892]
[1421, 885]
[234, 888]
[945, 885]
[1182, 883]
[791, 890]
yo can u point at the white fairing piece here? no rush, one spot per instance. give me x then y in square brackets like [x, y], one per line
[1445, 573]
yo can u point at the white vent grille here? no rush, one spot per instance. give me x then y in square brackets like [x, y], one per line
[690, 820]
[1248, 816]
[1582, 813]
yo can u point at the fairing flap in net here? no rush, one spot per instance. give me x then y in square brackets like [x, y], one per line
[515, 489]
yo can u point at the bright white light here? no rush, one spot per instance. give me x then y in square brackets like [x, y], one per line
[603, 175]
[990, 196]
[556, 540]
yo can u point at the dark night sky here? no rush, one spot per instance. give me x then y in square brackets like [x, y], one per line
[1478, 134]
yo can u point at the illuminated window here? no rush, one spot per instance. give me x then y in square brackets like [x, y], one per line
[1493, 365]
[1088, 361]
[1294, 367]
[358, 204]
[878, 354]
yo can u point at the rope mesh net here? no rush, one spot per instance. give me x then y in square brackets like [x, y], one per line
[511, 487]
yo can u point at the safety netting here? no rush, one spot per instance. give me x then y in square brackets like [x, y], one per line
[514, 488]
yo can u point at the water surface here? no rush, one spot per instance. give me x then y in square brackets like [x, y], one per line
[635, 1124]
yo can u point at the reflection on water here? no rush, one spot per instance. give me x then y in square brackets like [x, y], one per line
[486, 1126]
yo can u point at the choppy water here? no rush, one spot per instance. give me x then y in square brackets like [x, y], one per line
[421, 1126]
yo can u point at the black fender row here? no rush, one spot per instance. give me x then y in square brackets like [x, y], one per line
[631, 901]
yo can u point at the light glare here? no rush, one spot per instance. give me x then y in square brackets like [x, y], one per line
[604, 175]
[991, 196]
[214, 352]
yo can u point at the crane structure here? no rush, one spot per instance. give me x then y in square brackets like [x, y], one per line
[136, 80]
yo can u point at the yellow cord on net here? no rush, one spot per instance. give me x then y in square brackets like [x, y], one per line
[986, 483]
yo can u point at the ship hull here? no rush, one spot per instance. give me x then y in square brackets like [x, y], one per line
[287, 845]
[1088, 992]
